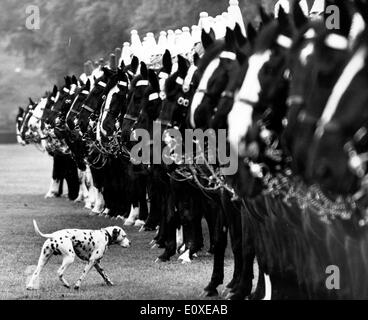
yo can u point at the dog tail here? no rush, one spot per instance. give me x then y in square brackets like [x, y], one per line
[39, 232]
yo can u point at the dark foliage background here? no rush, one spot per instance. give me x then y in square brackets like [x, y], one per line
[73, 31]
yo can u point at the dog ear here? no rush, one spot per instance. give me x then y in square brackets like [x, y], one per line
[115, 234]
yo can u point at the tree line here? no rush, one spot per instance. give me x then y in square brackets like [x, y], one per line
[73, 31]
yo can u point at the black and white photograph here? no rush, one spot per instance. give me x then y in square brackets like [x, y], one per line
[166, 150]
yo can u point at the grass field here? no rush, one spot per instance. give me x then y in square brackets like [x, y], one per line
[24, 179]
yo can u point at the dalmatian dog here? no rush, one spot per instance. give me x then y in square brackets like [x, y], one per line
[88, 245]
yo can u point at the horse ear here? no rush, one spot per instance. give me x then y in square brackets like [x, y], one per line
[265, 18]
[362, 7]
[134, 64]
[283, 19]
[251, 34]
[88, 85]
[207, 41]
[300, 20]
[54, 90]
[212, 35]
[167, 61]
[144, 71]
[31, 101]
[153, 80]
[229, 38]
[122, 65]
[196, 59]
[121, 75]
[239, 37]
[182, 66]
[74, 80]
[345, 16]
[68, 81]
[20, 110]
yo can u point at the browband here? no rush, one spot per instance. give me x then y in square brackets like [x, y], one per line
[336, 41]
[142, 83]
[163, 75]
[179, 81]
[153, 96]
[122, 83]
[228, 55]
[310, 34]
[284, 41]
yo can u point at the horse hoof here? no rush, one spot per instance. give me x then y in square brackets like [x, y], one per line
[154, 246]
[128, 223]
[110, 284]
[225, 292]
[160, 260]
[139, 223]
[50, 195]
[211, 293]
[76, 288]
